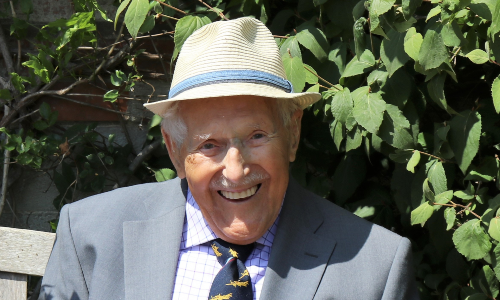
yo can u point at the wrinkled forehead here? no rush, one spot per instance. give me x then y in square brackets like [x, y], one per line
[205, 116]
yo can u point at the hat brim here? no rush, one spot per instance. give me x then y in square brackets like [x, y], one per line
[229, 89]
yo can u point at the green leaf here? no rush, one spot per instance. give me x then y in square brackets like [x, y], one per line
[135, 16]
[495, 93]
[26, 6]
[337, 131]
[310, 77]
[379, 7]
[184, 28]
[356, 67]
[398, 88]
[148, 25]
[338, 53]
[463, 137]
[433, 51]
[437, 176]
[422, 213]
[392, 51]
[394, 128]
[491, 284]
[17, 82]
[443, 198]
[478, 56]
[429, 195]
[433, 12]
[295, 72]
[483, 8]
[354, 139]
[45, 110]
[494, 228]
[111, 96]
[495, 23]
[118, 78]
[359, 10]
[164, 174]
[435, 87]
[377, 78]
[471, 240]
[409, 7]
[412, 43]
[120, 9]
[413, 162]
[37, 67]
[24, 158]
[452, 35]
[291, 47]
[313, 39]
[5, 94]
[359, 36]
[342, 105]
[487, 171]
[369, 111]
[109, 160]
[450, 215]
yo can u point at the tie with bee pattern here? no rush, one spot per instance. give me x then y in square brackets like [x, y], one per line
[233, 280]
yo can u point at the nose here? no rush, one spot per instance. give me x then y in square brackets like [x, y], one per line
[235, 168]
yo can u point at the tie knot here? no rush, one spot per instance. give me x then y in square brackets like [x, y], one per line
[225, 251]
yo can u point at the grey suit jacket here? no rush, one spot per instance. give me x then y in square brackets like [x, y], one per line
[124, 244]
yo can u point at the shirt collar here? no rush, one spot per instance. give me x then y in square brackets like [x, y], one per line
[196, 230]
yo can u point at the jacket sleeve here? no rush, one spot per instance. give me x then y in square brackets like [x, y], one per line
[63, 277]
[401, 280]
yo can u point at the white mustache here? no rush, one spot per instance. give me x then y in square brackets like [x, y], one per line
[250, 180]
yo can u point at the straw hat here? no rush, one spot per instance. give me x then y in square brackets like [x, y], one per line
[230, 58]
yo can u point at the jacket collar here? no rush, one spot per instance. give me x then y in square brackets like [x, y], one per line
[151, 247]
[298, 255]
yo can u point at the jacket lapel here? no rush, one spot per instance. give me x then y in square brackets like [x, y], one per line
[298, 256]
[151, 248]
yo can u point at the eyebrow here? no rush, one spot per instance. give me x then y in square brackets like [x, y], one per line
[205, 136]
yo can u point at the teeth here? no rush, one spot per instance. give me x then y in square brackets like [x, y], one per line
[230, 195]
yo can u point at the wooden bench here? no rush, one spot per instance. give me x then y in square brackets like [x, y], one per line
[22, 253]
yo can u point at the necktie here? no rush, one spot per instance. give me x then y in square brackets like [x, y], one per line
[233, 280]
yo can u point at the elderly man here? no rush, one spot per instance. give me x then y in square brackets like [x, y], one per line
[233, 225]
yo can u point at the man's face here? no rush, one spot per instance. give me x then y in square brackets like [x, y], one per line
[235, 159]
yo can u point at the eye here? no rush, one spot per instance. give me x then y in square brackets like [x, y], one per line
[257, 136]
[207, 146]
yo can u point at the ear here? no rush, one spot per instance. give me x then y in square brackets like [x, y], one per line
[175, 154]
[294, 128]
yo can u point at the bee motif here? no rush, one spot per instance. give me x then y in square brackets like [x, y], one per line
[222, 297]
[245, 273]
[216, 251]
[233, 253]
[238, 283]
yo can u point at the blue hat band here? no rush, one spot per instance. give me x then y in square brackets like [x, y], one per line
[234, 76]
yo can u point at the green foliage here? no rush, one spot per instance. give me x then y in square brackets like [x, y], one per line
[408, 122]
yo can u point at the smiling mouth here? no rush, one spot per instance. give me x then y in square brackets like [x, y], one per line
[241, 195]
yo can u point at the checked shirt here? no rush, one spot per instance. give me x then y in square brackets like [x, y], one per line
[197, 264]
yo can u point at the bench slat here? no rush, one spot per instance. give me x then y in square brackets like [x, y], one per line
[24, 251]
[13, 286]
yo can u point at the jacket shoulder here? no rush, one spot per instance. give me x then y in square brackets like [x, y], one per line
[346, 228]
[134, 202]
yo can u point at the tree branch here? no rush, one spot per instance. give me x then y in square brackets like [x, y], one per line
[90, 105]
[174, 8]
[6, 164]
[5, 53]
[138, 161]
[319, 77]
[212, 9]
